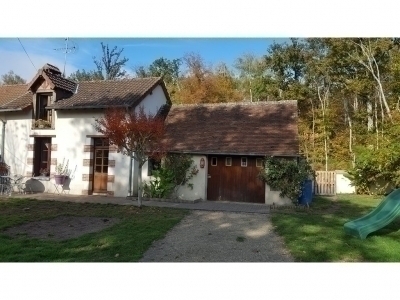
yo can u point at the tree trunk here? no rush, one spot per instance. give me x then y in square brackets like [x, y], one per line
[324, 105]
[370, 125]
[313, 132]
[376, 125]
[348, 119]
[382, 114]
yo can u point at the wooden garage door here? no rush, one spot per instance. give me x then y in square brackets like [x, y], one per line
[229, 179]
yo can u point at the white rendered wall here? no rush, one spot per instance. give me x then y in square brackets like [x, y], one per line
[153, 102]
[18, 129]
[343, 184]
[273, 197]
[74, 129]
[199, 182]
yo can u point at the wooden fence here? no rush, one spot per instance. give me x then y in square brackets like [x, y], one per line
[325, 183]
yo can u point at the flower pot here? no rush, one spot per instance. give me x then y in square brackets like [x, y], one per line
[60, 179]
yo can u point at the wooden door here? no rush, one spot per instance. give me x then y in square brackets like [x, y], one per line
[234, 178]
[100, 165]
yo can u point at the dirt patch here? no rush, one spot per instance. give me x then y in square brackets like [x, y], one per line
[61, 228]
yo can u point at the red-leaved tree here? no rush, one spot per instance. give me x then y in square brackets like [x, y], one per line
[136, 134]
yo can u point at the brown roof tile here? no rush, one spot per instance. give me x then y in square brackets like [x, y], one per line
[258, 128]
[127, 92]
[61, 82]
[14, 96]
[86, 94]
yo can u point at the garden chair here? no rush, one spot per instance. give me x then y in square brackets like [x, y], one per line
[5, 182]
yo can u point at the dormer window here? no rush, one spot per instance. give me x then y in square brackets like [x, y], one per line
[42, 115]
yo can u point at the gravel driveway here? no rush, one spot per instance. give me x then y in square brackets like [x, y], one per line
[208, 236]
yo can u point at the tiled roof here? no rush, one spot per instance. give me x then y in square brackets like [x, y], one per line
[61, 82]
[98, 94]
[53, 75]
[258, 128]
[86, 94]
[14, 96]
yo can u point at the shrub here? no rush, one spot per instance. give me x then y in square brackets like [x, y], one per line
[286, 175]
[176, 171]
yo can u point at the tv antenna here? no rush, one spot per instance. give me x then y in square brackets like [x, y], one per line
[71, 48]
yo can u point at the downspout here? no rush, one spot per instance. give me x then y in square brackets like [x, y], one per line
[3, 138]
[130, 176]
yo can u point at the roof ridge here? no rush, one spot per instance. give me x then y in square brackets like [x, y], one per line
[238, 103]
[18, 84]
[121, 79]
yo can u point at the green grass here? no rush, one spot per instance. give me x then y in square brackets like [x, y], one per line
[316, 234]
[125, 241]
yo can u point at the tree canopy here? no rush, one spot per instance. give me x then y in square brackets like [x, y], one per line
[11, 78]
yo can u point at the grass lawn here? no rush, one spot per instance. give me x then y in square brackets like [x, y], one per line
[316, 234]
[125, 241]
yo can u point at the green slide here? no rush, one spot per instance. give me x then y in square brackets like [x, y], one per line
[381, 216]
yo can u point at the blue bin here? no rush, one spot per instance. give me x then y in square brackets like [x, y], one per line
[306, 193]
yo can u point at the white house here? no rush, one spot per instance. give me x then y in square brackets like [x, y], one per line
[51, 119]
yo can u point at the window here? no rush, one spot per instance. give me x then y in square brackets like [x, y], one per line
[259, 162]
[243, 161]
[42, 115]
[153, 164]
[228, 161]
[42, 156]
[213, 161]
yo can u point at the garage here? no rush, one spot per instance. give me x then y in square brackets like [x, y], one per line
[235, 178]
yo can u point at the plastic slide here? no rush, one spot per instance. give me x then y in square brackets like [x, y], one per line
[380, 217]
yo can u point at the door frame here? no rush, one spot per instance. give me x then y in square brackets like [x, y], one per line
[105, 146]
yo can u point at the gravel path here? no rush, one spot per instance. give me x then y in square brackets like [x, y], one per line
[205, 236]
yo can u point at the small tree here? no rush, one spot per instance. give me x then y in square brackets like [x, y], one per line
[111, 63]
[136, 134]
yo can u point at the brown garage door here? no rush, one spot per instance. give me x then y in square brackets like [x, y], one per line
[234, 178]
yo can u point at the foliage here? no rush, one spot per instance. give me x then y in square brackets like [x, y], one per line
[202, 84]
[12, 78]
[41, 123]
[136, 134]
[83, 75]
[130, 238]
[111, 64]
[161, 67]
[182, 168]
[376, 168]
[176, 171]
[161, 185]
[286, 175]
[44, 171]
[63, 168]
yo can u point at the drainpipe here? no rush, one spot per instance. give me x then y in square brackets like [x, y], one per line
[3, 138]
[130, 176]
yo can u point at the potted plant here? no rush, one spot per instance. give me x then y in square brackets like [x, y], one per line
[44, 172]
[62, 172]
[41, 124]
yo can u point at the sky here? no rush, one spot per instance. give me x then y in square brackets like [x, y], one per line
[139, 51]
